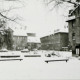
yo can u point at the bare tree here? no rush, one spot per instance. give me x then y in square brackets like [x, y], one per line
[59, 3]
[6, 34]
[62, 1]
[4, 12]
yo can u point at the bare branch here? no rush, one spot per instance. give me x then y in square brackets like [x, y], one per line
[56, 5]
[10, 9]
[69, 1]
[61, 1]
[6, 17]
[21, 1]
[13, 20]
[50, 1]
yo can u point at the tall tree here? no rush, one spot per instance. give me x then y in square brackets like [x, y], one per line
[58, 2]
[4, 11]
[6, 34]
[62, 3]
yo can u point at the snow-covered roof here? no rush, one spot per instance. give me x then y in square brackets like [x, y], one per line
[57, 31]
[19, 33]
[33, 40]
[70, 18]
[61, 31]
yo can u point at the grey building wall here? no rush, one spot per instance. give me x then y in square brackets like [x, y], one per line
[60, 40]
[20, 42]
[74, 29]
[55, 42]
[64, 40]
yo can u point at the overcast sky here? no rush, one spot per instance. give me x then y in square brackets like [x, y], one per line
[37, 17]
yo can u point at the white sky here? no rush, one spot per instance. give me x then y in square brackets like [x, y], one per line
[37, 17]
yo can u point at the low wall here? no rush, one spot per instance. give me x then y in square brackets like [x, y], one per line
[63, 53]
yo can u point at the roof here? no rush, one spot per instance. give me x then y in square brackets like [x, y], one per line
[31, 34]
[33, 40]
[19, 33]
[7, 28]
[70, 18]
[61, 33]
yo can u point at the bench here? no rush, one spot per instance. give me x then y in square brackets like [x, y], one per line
[32, 55]
[56, 60]
[14, 56]
[9, 59]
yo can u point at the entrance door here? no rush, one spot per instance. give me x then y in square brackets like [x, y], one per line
[77, 51]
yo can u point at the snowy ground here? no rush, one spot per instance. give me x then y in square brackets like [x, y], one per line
[34, 68]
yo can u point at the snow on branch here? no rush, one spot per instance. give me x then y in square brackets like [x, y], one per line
[61, 1]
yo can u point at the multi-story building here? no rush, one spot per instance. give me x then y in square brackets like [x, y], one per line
[61, 41]
[47, 42]
[23, 40]
[74, 29]
[57, 41]
[19, 39]
[33, 41]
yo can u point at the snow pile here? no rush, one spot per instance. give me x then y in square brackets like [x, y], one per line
[63, 53]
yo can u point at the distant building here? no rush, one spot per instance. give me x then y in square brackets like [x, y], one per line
[60, 41]
[57, 41]
[23, 40]
[47, 42]
[20, 39]
[74, 29]
[33, 41]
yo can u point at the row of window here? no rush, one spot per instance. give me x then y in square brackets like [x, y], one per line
[19, 37]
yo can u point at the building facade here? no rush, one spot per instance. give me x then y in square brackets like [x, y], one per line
[74, 29]
[57, 41]
[23, 40]
[19, 39]
[61, 41]
[33, 42]
[47, 42]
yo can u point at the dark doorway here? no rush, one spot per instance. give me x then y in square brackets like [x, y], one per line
[78, 49]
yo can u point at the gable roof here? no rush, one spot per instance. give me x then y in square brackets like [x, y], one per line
[19, 33]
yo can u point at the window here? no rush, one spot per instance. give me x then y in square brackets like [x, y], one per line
[73, 23]
[18, 37]
[73, 36]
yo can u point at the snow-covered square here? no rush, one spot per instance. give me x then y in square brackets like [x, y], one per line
[35, 68]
